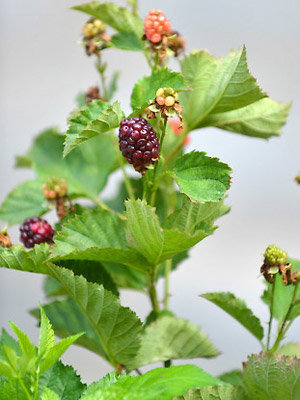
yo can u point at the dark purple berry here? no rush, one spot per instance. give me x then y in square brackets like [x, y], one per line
[138, 143]
[35, 231]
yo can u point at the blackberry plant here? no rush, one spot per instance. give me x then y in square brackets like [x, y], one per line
[167, 202]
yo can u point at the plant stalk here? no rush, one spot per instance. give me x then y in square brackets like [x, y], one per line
[271, 315]
[167, 283]
[154, 181]
[24, 389]
[153, 293]
[100, 68]
[106, 208]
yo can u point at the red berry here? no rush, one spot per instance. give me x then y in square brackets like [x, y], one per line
[155, 25]
[35, 231]
[138, 143]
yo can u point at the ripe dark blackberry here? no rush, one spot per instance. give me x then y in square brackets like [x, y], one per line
[35, 231]
[138, 143]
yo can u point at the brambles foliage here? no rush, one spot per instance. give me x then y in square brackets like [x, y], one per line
[165, 205]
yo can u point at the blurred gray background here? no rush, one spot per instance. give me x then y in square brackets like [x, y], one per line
[42, 70]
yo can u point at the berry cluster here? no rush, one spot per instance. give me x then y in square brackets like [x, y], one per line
[138, 143]
[94, 37]
[93, 28]
[156, 25]
[166, 97]
[35, 231]
[55, 188]
[275, 255]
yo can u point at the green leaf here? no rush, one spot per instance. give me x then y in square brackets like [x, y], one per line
[6, 369]
[262, 119]
[289, 349]
[127, 41]
[92, 120]
[143, 231]
[67, 319]
[200, 177]
[157, 384]
[238, 310]
[268, 377]
[211, 393]
[86, 170]
[145, 235]
[170, 338]
[191, 215]
[62, 380]
[97, 235]
[56, 351]
[11, 359]
[25, 345]
[117, 327]
[92, 271]
[219, 85]
[17, 257]
[48, 394]
[53, 288]
[25, 201]
[119, 18]
[47, 338]
[10, 389]
[283, 295]
[145, 89]
[233, 377]
[9, 341]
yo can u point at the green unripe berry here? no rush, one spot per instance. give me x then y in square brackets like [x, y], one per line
[160, 92]
[169, 101]
[275, 255]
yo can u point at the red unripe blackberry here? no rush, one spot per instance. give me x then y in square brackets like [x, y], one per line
[156, 25]
[35, 231]
[138, 143]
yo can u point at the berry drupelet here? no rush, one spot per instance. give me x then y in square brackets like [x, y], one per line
[156, 25]
[138, 143]
[35, 231]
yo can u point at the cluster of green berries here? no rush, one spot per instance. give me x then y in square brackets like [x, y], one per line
[55, 188]
[166, 97]
[274, 255]
[93, 28]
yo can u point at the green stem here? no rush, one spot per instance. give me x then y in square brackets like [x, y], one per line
[283, 330]
[106, 208]
[271, 316]
[153, 293]
[128, 185]
[101, 69]
[154, 180]
[36, 386]
[24, 389]
[167, 283]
